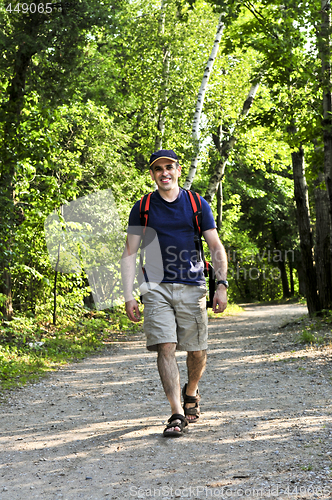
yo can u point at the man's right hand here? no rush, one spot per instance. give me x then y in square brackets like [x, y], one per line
[132, 310]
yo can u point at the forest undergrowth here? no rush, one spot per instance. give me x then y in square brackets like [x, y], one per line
[33, 346]
[30, 347]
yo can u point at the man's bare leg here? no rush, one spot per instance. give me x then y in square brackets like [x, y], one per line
[170, 378]
[196, 363]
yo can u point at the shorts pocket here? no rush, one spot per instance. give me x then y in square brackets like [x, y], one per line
[203, 290]
[202, 330]
[149, 313]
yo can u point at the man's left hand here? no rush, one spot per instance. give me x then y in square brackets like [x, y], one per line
[220, 299]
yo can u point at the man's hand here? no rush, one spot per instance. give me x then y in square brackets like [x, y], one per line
[220, 299]
[219, 259]
[132, 310]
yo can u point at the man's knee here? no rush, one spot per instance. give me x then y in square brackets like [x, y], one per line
[166, 349]
[197, 355]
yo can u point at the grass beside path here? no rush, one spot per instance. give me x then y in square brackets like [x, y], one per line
[231, 310]
[31, 347]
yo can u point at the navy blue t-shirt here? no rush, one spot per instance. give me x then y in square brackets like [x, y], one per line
[173, 223]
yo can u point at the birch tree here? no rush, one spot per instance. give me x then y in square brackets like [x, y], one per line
[225, 147]
[195, 133]
[160, 54]
[166, 54]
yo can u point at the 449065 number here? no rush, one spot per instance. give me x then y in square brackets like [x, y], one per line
[32, 8]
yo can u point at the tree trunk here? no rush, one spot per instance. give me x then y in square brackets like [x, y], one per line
[219, 171]
[324, 44]
[305, 232]
[7, 308]
[284, 279]
[225, 147]
[164, 85]
[199, 105]
[291, 278]
[301, 277]
[219, 206]
[54, 286]
[323, 245]
[281, 264]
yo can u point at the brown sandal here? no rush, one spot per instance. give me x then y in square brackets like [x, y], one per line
[182, 426]
[195, 410]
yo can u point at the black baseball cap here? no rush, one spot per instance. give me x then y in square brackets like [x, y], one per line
[163, 153]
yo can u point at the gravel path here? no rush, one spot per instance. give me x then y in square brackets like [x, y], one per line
[92, 430]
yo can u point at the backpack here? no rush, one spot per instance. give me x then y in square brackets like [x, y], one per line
[196, 205]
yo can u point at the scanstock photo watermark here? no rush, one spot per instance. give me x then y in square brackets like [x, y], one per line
[224, 492]
[258, 265]
[88, 234]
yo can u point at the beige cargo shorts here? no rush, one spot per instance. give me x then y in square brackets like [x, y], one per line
[174, 312]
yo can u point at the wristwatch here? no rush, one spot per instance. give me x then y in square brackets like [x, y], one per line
[223, 282]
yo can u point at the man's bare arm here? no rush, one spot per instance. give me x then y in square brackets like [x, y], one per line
[219, 260]
[128, 268]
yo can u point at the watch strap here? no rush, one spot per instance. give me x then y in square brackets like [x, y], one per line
[222, 282]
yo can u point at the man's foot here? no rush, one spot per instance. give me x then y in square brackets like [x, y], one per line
[190, 405]
[176, 426]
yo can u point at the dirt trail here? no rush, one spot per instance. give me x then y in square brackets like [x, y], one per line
[92, 430]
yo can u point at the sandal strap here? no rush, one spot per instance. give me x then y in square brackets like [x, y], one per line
[190, 399]
[176, 416]
[193, 411]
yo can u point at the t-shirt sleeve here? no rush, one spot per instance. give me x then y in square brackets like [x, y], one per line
[134, 220]
[208, 221]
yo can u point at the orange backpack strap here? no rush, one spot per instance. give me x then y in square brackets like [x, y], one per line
[144, 207]
[196, 205]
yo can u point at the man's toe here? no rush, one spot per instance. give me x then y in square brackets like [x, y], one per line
[175, 428]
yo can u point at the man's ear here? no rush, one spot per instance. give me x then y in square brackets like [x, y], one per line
[179, 169]
[151, 173]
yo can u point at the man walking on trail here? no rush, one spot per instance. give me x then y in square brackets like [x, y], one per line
[175, 314]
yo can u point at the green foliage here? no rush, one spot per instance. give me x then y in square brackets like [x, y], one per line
[80, 101]
[319, 330]
[30, 347]
[259, 223]
[231, 310]
[308, 337]
[27, 362]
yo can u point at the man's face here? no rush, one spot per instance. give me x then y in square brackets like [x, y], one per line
[165, 174]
